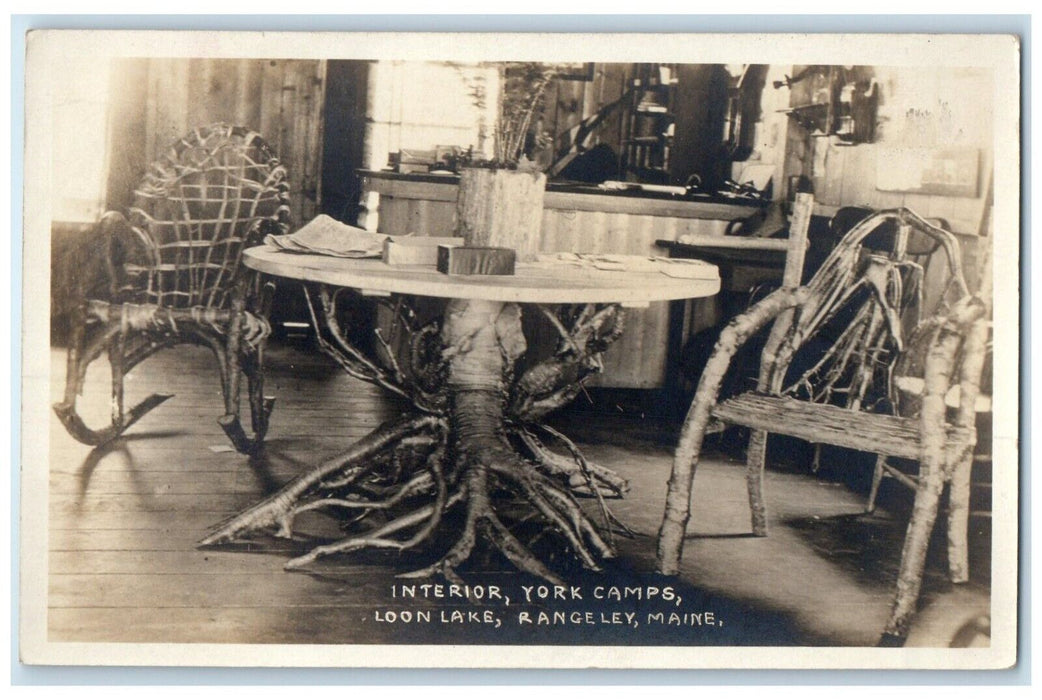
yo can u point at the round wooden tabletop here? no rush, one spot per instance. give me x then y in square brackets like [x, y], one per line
[540, 283]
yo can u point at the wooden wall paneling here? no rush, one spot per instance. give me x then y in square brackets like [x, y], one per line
[571, 231]
[609, 81]
[414, 216]
[443, 218]
[617, 235]
[168, 100]
[854, 176]
[280, 99]
[966, 213]
[548, 233]
[310, 111]
[419, 216]
[625, 360]
[638, 359]
[592, 231]
[568, 110]
[940, 207]
[127, 132]
[820, 170]
[198, 109]
[394, 215]
[836, 161]
[296, 95]
[288, 138]
[557, 231]
[215, 91]
[889, 200]
[399, 219]
[248, 109]
[439, 219]
[651, 327]
[270, 100]
[414, 219]
[580, 238]
[388, 209]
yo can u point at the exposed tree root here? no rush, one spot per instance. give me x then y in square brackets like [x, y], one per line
[279, 509]
[583, 476]
[394, 489]
[489, 464]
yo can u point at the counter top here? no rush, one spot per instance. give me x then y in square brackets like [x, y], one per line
[573, 197]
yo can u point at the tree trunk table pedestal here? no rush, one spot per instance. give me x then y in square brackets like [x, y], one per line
[474, 446]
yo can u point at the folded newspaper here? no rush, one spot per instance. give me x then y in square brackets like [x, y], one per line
[325, 235]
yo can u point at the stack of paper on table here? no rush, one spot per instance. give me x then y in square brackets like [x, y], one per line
[672, 267]
[324, 235]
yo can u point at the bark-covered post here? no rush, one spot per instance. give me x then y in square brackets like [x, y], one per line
[501, 208]
[678, 497]
[940, 365]
[756, 454]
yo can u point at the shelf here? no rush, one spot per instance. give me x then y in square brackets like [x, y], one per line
[816, 106]
[646, 143]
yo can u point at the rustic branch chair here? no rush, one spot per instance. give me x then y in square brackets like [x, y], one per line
[845, 398]
[174, 276]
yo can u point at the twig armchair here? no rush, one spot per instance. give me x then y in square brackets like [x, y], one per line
[173, 276]
[844, 395]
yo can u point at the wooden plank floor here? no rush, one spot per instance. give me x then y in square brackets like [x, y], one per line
[124, 522]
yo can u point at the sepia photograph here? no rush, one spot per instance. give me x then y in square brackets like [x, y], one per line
[520, 351]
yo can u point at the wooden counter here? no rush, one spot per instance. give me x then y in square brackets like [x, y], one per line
[578, 220]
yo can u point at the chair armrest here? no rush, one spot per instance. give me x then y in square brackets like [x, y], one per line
[123, 244]
[740, 329]
[734, 335]
[947, 241]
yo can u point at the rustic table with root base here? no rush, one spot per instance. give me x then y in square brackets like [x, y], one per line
[474, 446]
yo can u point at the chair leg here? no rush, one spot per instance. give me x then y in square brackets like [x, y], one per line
[974, 351]
[77, 346]
[260, 405]
[81, 354]
[755, 461]
[117, 350]
[959, 520]
[815, 465]
[913, 554]
[877, 479]
[678, 496]
[232, 382]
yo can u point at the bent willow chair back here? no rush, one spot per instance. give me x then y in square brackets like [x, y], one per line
[174, 276]
[827, 376]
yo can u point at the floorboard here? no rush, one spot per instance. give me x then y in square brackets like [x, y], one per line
[124, 521]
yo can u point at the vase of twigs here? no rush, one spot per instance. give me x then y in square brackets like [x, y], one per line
[500, 201]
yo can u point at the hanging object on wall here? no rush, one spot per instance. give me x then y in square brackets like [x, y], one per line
[834, 101]
[856, 111]
[743, 109]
